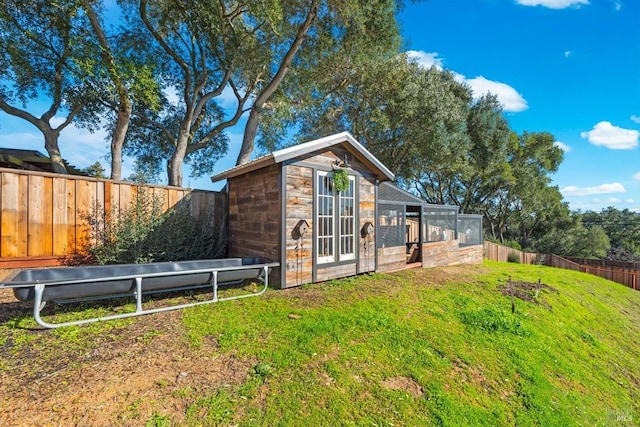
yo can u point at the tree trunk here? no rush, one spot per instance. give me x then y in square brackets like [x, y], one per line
[174, 165]
[124, 110]
[51, 145]
[250, 131]
[254, 117]
[117, 139]
[174, 169]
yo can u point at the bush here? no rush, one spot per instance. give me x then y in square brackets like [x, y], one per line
[513, 257]
[144, 233]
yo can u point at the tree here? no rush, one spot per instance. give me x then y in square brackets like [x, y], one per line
[574, 239]
[532, 157]
[95, 170]
[124, 107]
[196, 49]
[622, 227]
[314, 40]
[225, 58]
[473, 172]
[401, 112]
[38, 41]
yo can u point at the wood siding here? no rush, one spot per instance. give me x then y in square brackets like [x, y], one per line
[299, 205]
[367, 205]
[448, 252]
[392, 258]
[254, 216]
[44, 216]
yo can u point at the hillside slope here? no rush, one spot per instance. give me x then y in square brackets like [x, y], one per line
[419, 347]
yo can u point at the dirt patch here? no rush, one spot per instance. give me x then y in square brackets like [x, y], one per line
[403, 384]
[527, 291]
[122, 381]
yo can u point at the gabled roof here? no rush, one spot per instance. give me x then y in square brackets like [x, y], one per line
[308, 147]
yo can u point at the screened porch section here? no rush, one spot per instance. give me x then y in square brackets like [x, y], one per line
[440, 223]
[469, 229]
[411, 232]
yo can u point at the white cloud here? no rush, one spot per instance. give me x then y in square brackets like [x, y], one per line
[636, 176]
[567, 53]
[607, 135]
[600, 189]
[553, 4]
[425, 59]
[617, 5]
[610, 200]
[635, 118]
[561, 145]
[510, 99]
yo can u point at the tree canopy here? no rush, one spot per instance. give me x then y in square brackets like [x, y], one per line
[39, 49]
[174, 77]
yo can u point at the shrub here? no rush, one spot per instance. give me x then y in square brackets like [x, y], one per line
[513, 257]
[143, 233]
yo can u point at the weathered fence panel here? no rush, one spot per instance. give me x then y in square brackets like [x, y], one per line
[605, 263]
[496, 252]
[43, 216]
[624, 276]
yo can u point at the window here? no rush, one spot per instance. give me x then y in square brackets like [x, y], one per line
[336, 236]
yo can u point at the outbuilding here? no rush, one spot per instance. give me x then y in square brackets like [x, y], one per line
[314, 208]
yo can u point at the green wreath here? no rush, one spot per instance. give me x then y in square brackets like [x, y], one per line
[340, 180]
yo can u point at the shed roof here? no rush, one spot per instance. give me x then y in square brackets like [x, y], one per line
[388, 192]
[292, 152]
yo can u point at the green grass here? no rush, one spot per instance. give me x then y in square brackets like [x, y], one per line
[475, 362]
[329, 354]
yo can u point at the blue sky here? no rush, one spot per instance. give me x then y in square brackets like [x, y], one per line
[568, 67]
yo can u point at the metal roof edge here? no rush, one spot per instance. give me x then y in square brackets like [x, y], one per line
[289, 153]
[258, 163]
[328, 141]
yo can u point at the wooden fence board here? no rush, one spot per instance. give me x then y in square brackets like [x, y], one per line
[44, 216]
[9, 224]
[37, 217]
[59, 194]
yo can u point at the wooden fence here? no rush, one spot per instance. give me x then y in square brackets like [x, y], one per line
[44, 216]
[496, 252]
[624, 276]
[627, 277]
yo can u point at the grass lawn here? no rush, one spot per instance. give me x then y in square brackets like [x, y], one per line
[420, 347]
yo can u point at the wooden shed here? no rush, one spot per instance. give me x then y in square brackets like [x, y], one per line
[312, 207]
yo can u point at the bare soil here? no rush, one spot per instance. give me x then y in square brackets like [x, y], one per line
[527, 291]
[123, 379]
[403, 384]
